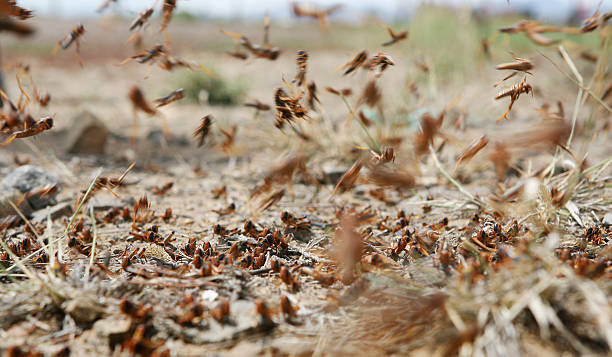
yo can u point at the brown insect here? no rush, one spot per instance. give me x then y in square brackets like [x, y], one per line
[595, 21]
[395, 37]
[105, 4]
[501, 160]
[359, 60]
[264, 51]
[167, 10]
[19, 161]
[72, 37]
[283, 174]
[104, 182]
[39, 193]
[387, 155]
[547, 114]
[380, 175]
[287, 307]
[541, 136]
[471, 151]
[290, 221]
[309, 10]
[533, 30]
[264, 313]
[371, 94]
[168, 63]
[484, 44]
[311, 97]
[228, 140]
[588, 56]
[237, 54]
[142, 19]
[227, 210]
[349, 248]
[167, 214]
[288, 278]
[202, 131]
[429, 129]
[162, 190]
[271, 200]
[288, 110]
[172, 97]
[514, 93]
[220, 191]
[258, 105]
[31, 129]
[606, 92]
[15, 27]
[302, 61]
[347, 181]
[139, 102]
[18, 11]
[345, 92]
[380, 61]
[365, 120]
[519, 65]
[221, 312]
[147, 55]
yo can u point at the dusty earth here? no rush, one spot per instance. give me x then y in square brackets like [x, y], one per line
[535, 282]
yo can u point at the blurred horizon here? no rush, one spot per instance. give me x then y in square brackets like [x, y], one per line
[355, 10]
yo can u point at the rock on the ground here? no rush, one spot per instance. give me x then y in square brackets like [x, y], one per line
[14, 196]
[84, 309]
[59, 210]
[607, 220]
[87, 134]
[25, 179]
[332, 172]
[243, 321]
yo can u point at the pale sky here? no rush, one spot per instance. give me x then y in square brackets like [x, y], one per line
[280, 9]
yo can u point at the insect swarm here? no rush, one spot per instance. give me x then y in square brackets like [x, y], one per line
[379, 243]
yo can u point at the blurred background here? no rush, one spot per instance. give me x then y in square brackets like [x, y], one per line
[390, 10]
[447, 60]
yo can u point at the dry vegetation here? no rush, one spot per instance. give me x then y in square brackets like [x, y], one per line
[355, 201]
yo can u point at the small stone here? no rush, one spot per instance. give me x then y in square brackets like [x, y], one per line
[332, 172]
[59, 210]
[156, 136]
[607, 220]
[84, 309]
[87, 135]
[13, 196]
[29, 178]
[112, 330]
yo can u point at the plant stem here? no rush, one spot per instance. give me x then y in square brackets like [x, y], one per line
[578, 76]
[373, 143]
[93, 244]
[452, 180]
